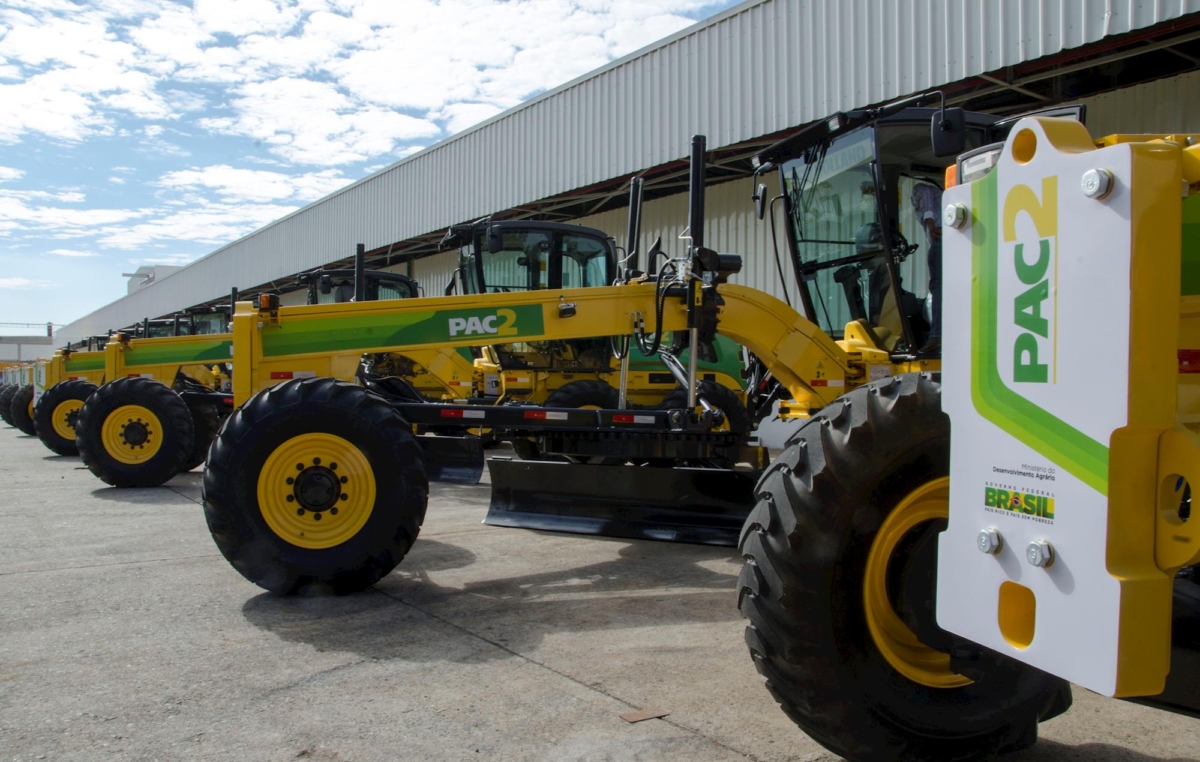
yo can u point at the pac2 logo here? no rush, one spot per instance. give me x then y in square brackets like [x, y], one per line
[1033, 293]
[503, 322]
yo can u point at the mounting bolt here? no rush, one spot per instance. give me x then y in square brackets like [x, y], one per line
[1097, 183]
[955, 216]
[1040, 553]
[989, 541]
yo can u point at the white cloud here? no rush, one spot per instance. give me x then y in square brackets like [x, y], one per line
[212, 224]
[116, 180]
[23, 284]
[311, 122]
[72, 253]
[321, 82]
[255, 185]
[10, 173]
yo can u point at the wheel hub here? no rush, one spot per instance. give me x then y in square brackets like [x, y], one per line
[135, 433]
[317, 489]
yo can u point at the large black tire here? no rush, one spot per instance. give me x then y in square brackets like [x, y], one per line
[720, 396]
[19, 410]
[585, 393]
[102, 455]
[206, 421]
[806, 544]
[271, 421]
[6, 395]
[56, 413]
[573, 394]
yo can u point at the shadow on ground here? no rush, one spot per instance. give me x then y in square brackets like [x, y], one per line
[61, 458]
[139, 495]
[651, 584]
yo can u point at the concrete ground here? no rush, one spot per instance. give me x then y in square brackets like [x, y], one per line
[125, 635]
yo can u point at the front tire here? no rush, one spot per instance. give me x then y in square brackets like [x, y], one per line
[267, 488]
[838, 578]
[134, 432]
[6, 394]
[20, 410]
[57, 412]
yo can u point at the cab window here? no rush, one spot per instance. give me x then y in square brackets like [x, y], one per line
[584, 262]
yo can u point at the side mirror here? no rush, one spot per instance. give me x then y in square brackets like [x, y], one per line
[495, 239]
[325, 284]
[948, 132]
[760, 201]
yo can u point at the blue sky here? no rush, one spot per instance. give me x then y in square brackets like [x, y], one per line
[151, 132]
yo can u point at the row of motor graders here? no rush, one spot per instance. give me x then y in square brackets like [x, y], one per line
[910, 595]
[169, 380]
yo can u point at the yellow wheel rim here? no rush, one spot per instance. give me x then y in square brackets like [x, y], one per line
[62, 417]
[898, 644]
[132, 434]
[316, 491]
[29, 409]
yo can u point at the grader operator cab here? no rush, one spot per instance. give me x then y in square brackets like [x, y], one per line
[520, 255]
[337, 286]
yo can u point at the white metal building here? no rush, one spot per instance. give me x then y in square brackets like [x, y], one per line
[743, 78]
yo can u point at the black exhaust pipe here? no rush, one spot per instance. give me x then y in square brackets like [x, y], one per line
[634, 231]
[360, 273]
[696, 175]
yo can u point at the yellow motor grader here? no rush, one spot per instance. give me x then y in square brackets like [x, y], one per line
[911, 595]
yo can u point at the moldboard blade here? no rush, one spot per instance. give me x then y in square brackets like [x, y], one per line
[705, 506]
[458, 460]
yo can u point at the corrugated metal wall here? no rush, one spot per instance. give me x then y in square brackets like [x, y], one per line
[1167, 105]
[758, 68]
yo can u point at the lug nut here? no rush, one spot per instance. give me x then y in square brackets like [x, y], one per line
[1040, 553]
[1097, 183]
[955, 216]
[990, 541]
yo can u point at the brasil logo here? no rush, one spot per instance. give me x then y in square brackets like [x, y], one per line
[1039, 506]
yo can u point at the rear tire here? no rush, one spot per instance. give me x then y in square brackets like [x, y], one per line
[6, 395]
[206, 421]
[804, 589]
[719, 396]
[249, 476]
[151, 450]
[585, 393]
[20, 410]
[573, 394]
[57, 412]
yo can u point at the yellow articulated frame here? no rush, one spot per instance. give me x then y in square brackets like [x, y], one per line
[328, 340]
[162, 359]
[75, 366]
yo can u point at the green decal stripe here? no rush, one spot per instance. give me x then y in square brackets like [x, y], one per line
[208, 351]
[1190, 252]
[353, 332]
[72, 365]
[1066, 447]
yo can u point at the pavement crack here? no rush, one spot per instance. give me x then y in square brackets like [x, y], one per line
[673, 723]
[185, 497]
[114, 563]
[306, 679]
